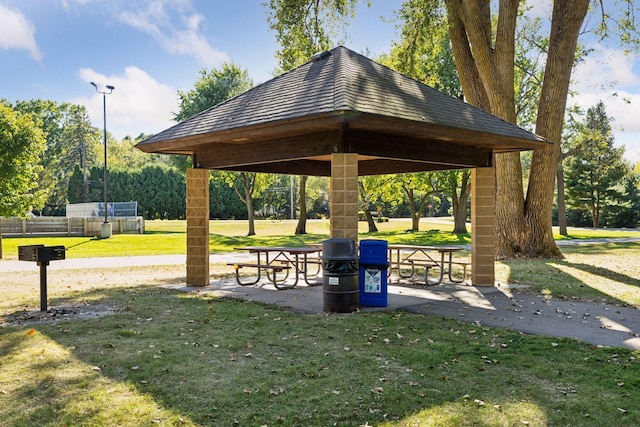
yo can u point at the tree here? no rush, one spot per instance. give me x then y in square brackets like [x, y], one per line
[365, 205]
[484, 49]
[121, 154]
[303, 29]
[246, 185]
[457, 184]
[593, 177]
[71, 140]
[301, 227]
[21, 144]
[306, 27]
[213, 87]
[415, 188]
[485, 58]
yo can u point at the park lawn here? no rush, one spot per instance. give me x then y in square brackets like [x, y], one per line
[176, 359]
[169, 237]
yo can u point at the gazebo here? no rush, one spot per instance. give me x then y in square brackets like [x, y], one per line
[342, 115]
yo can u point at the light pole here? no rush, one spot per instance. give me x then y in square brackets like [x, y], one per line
[105, 228]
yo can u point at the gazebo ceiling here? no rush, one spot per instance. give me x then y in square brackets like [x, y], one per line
[341, 102]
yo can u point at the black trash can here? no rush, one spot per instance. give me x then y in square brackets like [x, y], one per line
[340, 275]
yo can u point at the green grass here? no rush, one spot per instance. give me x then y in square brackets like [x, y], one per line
[169, 237]
[605, 272]
[175, 359]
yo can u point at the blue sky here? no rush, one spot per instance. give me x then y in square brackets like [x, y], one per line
[150, 49]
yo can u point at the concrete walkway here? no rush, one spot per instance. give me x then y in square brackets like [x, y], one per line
[597, 324]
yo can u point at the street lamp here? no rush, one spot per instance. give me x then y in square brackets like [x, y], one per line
[105, 228]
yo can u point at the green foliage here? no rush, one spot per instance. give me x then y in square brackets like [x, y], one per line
[594, 176]
[71, 141]
[304, 28]
[224, 203]
[416, 189]
[424, 49]
[21, 144]
[123, 155]
[213, 87]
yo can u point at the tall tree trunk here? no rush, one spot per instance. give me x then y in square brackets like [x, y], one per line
[413, 211]
[301, 228]
[459, 203]
[366, 208]
[251, 214]
[562, 207]
[247, 181]
[486, 69]
[568, 17]
[595, 214]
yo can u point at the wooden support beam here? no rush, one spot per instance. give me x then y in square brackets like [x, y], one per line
[399, 147]
[232, 155]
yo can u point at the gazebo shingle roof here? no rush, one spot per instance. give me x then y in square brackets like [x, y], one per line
[342, 101]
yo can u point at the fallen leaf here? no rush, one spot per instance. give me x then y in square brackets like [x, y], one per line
[478, 402]
[96, 368]
[377, 390]
[624, 411]
[31, 332]
[248, 390]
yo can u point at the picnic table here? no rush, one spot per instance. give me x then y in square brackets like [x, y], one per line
[277, 261]
[407, 260]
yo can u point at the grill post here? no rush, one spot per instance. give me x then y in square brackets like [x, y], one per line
[43, 284]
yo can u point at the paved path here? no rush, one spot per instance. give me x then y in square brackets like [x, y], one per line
[597, 324]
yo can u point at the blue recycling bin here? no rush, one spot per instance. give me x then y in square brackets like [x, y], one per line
[374, 266]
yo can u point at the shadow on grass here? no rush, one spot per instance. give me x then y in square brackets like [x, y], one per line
[229, 243]
[555, 277]
[429, 237]
[164, 232]
[223, 362]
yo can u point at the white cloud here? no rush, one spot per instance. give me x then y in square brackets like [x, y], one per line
[139, 103]
[604, 69]
[16, 32]
[609, 76]
[181, 35]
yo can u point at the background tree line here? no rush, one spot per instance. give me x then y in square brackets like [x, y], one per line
[50, 154]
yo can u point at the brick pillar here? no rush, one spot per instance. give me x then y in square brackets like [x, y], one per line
[483, 237]
[197, 227]
[343, 199]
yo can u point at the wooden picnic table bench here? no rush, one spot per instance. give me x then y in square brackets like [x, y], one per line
[275, 268]
[419, 257]
[281, 258]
